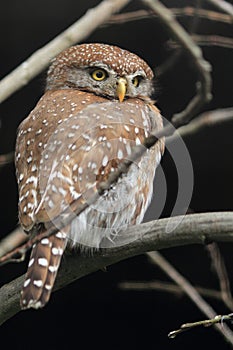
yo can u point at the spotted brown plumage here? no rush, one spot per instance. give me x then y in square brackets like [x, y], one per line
[78, 134]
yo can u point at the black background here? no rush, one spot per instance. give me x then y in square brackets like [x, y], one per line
[93, 312]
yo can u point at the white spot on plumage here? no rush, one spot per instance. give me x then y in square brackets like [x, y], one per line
[128, 149]
[61, 235]
[64, 178]
[50, 204]
[86, 137]
[105, 160]
[53, 268]
[32, 179]
[38, 132]
[43, 262]
[34, 167]
[158, 157]
[31, 262]
[74, 193]
[62, 191]
[38, 283]
[75, 167]
[75, 126]
[26, 283]
[120, 154]
[54, 188]
[44, 241]
[103, 126]
[18, 156]
[48, 287]
[126, 128]
[109, 145]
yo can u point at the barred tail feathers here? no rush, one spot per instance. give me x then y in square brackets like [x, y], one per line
[42, 270]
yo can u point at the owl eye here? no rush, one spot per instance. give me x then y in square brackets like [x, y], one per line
[135, 81]
[99, 74]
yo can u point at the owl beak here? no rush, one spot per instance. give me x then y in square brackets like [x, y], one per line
[121, 88]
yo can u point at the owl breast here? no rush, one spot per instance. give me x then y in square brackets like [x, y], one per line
[80, 149]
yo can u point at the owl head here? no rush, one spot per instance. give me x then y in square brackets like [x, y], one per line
[102, 69]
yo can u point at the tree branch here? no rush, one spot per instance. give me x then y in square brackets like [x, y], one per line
[223, 6]
[191, 292]
[221, 271]
[178, 12]
[40, 59]
[167, 287]
[193, 229]
[6, 159]
[12, 240]
[206, 119]
[193, 52]
[208, 40]
[218, 319]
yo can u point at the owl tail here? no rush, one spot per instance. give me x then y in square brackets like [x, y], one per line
[42, 270]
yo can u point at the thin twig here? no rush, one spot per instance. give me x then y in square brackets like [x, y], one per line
[206, 119]
[168, 64]
[203, 68]
[195, 18]
[207, 40]
[223, 6]
[168, 287]
[6, 159]
[178, 12]
[193, 229]
[201, 40]
[221, 271]
[40, 59]
[14, 239]
[191, 292]
[213, 40]
[205, 323]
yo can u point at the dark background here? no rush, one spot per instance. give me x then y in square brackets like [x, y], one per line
[94, 312]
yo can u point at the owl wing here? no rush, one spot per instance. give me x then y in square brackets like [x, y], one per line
[32, 144]
[81, 152]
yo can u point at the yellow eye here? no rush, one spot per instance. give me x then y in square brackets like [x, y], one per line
[135, 81]
[99, 74]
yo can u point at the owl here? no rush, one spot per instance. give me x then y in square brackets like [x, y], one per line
[95, 109]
